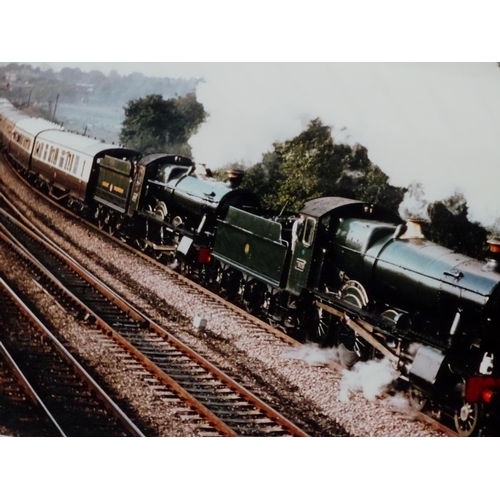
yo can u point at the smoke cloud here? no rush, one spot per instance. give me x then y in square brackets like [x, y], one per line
[372, 378]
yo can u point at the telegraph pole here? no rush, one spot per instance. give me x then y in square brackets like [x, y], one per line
[55, 107]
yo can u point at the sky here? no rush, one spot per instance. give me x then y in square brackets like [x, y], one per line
[433, 123]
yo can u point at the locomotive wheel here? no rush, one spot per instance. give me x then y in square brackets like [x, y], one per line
[254, 296]
[141, 244]
[318, 327]
[467, 419]
[140, 241]
[416, 398]
[116, 225]
[230, 284]
[109, 223]
[352, 348]
[111, 228]
[273, 310]
[99, 216]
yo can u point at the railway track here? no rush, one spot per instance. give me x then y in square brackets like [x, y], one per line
[177, 370]
[36, 366]
[20, 415]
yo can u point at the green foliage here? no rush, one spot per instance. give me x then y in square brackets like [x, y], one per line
[311, 165]
[451, 227]
[154, 124]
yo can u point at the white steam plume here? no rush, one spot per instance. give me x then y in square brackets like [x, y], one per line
[372, 378]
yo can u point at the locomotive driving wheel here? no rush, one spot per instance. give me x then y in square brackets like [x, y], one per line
[254, 296]
[467, 419]
[352, 347]
[230, 284]
[99, 216]
[318, 327]
[416, 398]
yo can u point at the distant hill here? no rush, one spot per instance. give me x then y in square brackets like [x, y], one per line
[89, 102]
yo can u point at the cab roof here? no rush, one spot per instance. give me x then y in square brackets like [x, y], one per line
[345, 207]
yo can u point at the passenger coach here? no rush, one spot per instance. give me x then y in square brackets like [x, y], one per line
[67, 161]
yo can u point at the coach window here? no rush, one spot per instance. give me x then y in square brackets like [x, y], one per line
[309, 232]
[75, 164]
[45, 152]
[68, 162]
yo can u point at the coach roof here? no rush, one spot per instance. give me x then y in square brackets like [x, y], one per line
[13, 115]
[34, 126]
[76, 142]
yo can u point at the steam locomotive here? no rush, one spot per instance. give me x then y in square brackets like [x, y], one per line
[340, 273]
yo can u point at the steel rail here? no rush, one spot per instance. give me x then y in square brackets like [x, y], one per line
[101, 395]
[141, 318]
[23, 381]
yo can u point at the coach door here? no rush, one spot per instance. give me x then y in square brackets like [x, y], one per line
[302, 257]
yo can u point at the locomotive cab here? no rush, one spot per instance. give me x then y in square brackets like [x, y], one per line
[314, 263]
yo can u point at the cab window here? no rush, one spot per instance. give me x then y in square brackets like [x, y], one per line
[309, 232]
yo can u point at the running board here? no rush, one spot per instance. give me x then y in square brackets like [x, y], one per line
[161, 248]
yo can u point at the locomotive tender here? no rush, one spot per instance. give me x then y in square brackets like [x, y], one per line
[340, 273]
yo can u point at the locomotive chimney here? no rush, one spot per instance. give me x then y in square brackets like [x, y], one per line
[234, 177]
[413, 229]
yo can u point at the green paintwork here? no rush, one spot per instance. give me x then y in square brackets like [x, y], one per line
[113, 183]
[253, 245]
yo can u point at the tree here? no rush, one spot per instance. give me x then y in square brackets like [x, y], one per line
[311, 165]
[451, 227]
[153, 124]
